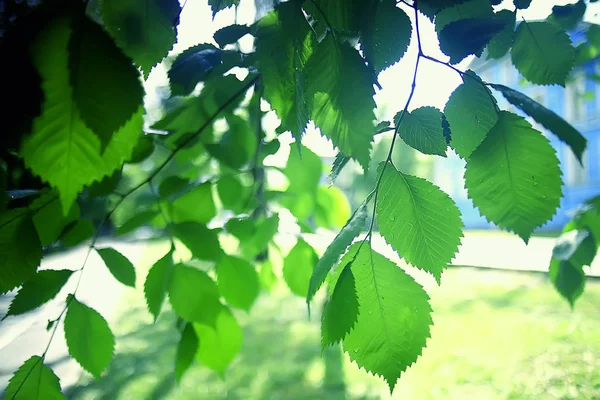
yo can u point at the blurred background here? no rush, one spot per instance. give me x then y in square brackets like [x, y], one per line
[500, 330]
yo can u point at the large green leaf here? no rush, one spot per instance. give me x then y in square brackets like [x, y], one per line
[549, 120]
[192, 66]
[89, 338]
[157, 283]
[34, 381]
[471, 112]
[339, 89]
[422, 130]
[220, 343]
[500, 44]
[119, 266]
[201, 241]
[106, 86]
[194, 295]
[419, 220]
[341, 312]
[62, 150]
[386, 36]
[20, 248]
[36, 291]
[283, 45]
[394, 315]
[334, 251]
[298, 266]
[186, 350]
[146, 34]
[543, 53]
[513, 177]
[237, 281]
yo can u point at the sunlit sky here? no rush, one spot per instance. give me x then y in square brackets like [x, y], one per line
[434, 82]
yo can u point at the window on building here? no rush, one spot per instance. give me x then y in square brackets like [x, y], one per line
[575, 173]
[575, 98]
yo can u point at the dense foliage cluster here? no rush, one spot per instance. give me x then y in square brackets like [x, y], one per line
[76, 123]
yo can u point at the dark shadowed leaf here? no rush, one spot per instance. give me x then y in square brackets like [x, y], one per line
[230, 34]
[201, 241]
[186, 350]
[341, 312]
[193, 66]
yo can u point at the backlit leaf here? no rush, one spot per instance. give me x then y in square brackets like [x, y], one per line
[34, 381]
[535, 49]
[471, 112]
[82, 230]
[89, 338]
[237, 281]
[41, 288]
[518, 189]
[568, 279]
[157, 283]
[394, 316]
[220, 343]
[419, 220]
[196, 205]
[194, 295]
[340, 93]
[332, 207]
[137, 221]
[119, 266]
[298, 266]
[62, 150]
[422, 130]
[201, 241]
[49, 221]
[500, 44]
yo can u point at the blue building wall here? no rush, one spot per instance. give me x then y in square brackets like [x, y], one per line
[578, 103]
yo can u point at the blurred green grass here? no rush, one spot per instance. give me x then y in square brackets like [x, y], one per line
[496, 335]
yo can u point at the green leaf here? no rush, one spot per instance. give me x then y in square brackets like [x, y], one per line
[593, 35]
[341, 312]
[41, 288]
[230, 34]
[106, 86]
[172, 187]
[119, 266]
[333, 208]
[194, 295]
[219, 344]
[107, 185]
[89, 338]
[49, 221]
[196, 205]
[142, 150]
[500, 44]
[218, 5]
[518, 188]
[237, 281]
[522, 4]
[193, 66]
[157, 283]
[534, 53]
[34, 381]
[137, 221]
[186, 350]
[82, 230]
[386, 36]
[341, 160]
[341, 15]
[471, 112]
[577, 246]
[419, 220]
[61, 149]
[340, 93]
[303, 171]
[20, 248]
[547, 118]
[146, 34]
[463, 37]
[462, 10]
[334, 251]
[298, 267]
[258, 242]
[430, 8]
[231, 192]
[201, 241]
[394, 316]
[422, 130]
[283, 45]
[267, 277]
[568, 279]
[569, 15]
